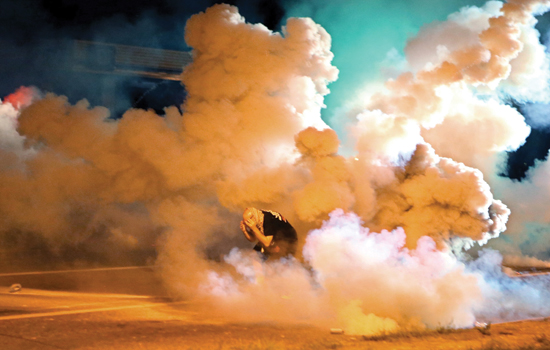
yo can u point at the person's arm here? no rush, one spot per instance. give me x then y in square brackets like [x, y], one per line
[264, 240]
[248, 235]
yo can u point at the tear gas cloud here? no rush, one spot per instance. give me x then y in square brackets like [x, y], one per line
[368, 37]
[376, 229]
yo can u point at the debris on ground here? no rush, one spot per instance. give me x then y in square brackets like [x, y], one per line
[14, 288]
[484, 328]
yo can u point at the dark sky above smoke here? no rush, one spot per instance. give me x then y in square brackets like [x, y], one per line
[140, 22]
[35, 39]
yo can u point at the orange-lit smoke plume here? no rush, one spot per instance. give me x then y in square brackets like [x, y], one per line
[251, 135]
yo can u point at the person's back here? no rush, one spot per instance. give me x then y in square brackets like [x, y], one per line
[284, 235]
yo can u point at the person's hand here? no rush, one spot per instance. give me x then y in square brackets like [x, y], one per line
[243, 227]
[249, 222]
[246, 229]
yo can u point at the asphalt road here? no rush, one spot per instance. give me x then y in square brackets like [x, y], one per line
[37, 319]
[81, 309]
[122, 309]
[134, 280]
[41, 320]
[109, 308]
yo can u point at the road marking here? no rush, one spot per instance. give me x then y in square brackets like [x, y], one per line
[53, 293]
[73, 312]
[70, 271]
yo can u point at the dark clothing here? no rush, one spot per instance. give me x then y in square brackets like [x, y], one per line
[284, 235]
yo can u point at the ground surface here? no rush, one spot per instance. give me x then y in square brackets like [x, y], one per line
[35, 318]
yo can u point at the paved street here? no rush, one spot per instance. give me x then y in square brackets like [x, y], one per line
[36, 319]
[127, 308]
[134, 280]
[91, 308]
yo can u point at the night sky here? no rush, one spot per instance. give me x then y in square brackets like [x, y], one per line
[34, 34]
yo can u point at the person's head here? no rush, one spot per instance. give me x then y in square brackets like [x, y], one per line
[256, 215]
[249, 213]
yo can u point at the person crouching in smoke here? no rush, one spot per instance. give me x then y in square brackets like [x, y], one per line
[275, 235]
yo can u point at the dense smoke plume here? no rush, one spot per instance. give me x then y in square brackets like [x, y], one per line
[377, 228]
[368, 37]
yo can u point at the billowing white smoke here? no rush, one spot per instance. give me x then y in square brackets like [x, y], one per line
[440, 198]
[251, 135]
[366, 283]
[11, 142]
[462, 68]
[529, 227]
[508, 298]
[385, 279]
[370, 283]
[537, 115]
[490, 51]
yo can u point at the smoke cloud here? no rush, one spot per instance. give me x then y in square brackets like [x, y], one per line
[529, 225]
[363, 33]
[376, 229]
[379, 275]
[508, 298]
